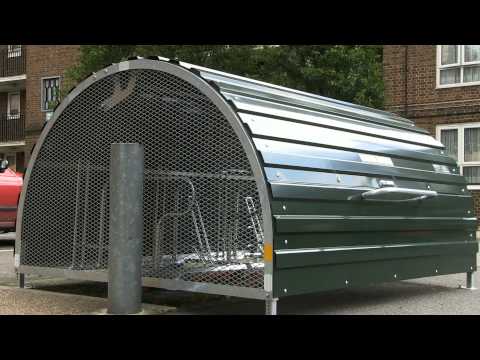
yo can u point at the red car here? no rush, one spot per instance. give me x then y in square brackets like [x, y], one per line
[10, 189]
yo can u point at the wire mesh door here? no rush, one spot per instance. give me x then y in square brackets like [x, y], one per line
[202, 214]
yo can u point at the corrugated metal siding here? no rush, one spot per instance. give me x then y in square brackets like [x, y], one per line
[318, 153]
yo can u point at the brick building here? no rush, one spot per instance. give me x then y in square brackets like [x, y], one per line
[30, 80]
[438, 87]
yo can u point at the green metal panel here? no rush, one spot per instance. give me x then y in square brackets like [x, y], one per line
[377, 238]
[320, 155]
[450, 195]
[276, 150]
[234, 87]
[306, 183]
[289, 133]
[442, 206]
[309, 279]
[360, 168]
[287, 259]
[318, 223]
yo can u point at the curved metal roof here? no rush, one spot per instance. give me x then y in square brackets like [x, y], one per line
[272, 101]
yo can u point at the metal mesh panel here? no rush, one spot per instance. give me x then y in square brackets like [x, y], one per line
[202, 214]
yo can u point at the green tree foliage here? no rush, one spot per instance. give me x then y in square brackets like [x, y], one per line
[345, 72]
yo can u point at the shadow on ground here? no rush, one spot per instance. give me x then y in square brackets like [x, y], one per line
[150, 295]
[399, 298]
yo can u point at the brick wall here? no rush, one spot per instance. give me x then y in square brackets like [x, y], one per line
[476, 201]
[394, 76]
[411, 91]
[421, 85]
[43, 61]
[430, 123]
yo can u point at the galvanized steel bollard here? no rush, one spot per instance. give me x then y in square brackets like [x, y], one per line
[126, 229]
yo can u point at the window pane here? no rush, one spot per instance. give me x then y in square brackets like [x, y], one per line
[449, 54]
[14, 103]
[449, 138]
[50, 93]
[471, 73]
[472, 53]
[14, 50]
[450, 76]
[472, 174]
[472, 144]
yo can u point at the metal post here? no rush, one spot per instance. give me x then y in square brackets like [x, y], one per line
[470, 279]
[21, 280]
[271, 306]
[470, 282]
[126, 229]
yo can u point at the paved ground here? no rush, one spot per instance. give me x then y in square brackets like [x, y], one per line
[6, 256]
[431, 296]
[437, 295]
[37, 302]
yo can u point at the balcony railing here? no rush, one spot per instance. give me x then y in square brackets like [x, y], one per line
[12, 128]
[12, 61]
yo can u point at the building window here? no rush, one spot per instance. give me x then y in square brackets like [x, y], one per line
[458, 65]
[13, 105]
[50, 93]
[462, 142]
[14, 51]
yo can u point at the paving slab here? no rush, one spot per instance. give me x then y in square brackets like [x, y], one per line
[15, 301]
[7, 269]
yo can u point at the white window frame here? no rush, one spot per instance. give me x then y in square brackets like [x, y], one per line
[42, 94]
[461, 145]
[459, 64]
[12, 52]
[10, 116]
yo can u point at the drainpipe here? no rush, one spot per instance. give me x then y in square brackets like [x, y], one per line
[406, 81]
